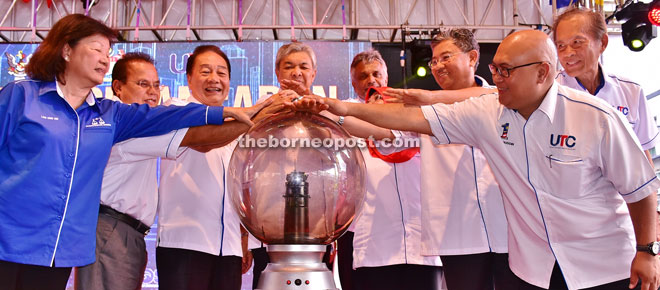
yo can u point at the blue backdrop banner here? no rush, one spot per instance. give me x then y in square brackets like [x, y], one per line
[253, 67]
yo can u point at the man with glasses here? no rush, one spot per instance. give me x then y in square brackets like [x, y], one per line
[463, 217]
[577, 189]
[129, 193]
[580, 36]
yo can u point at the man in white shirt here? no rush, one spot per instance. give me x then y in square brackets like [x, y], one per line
[580, 36]
[387, 234]
[295, 68]
[577, 189]
[463, 217]
[129, 193]
[199, 236]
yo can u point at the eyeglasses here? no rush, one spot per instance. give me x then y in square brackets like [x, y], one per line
[146, 85]
[443, 59]
[506, 72]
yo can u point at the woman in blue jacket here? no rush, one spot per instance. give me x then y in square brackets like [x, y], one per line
[55, 139]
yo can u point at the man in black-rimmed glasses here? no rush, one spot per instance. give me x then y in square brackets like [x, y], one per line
[577, 188]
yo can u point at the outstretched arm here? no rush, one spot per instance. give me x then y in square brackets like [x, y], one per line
[205, 138]
[420, 97]
[391, 116]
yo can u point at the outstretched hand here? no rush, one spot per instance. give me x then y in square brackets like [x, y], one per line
[277, 105]
[244, 115]
[415, 97]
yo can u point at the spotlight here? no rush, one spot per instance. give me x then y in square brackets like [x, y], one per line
[637, 31]
[637, 34]
[421, 71]
[420, 56]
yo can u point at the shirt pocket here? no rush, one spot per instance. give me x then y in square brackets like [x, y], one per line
[566, 172]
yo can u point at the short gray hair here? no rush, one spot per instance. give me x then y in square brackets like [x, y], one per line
[294, 47]
[462, 38]
[367, 56]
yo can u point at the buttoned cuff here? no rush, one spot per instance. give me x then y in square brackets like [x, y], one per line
[214, 115]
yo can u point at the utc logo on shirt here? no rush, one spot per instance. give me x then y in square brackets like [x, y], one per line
[623, 110]
[562, 140]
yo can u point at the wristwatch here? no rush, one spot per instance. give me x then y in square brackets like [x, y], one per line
[652, 248]
[340, 122]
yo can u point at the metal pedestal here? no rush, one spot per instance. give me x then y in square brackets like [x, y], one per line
[296, 267]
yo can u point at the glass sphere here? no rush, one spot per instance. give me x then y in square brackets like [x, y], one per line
[297, 178]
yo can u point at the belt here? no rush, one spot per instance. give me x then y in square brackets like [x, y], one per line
[127, 219]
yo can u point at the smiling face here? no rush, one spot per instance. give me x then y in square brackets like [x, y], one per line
[578, 50]
[526, 86]
[297, 66]
[457, 72]
[139, 73]
[368, 74]
[209, 79]
[88, 60]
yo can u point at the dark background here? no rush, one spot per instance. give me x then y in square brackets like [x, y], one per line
[391, 52]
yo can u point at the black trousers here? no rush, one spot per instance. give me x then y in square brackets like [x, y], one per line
[261, 260]
[479, 272]
[557, 282]
[345, 256]
[403, 276]
[15, 276]
[180, 269]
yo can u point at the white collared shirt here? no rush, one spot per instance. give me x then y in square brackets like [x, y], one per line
[566, 174]
[462, 211]
[130, 181]
[626, 97]
[194, 209]
[388, 229]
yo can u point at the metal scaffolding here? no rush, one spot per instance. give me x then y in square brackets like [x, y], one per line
[208, 20]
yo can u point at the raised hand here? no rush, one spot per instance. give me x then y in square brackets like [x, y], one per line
[296, 86]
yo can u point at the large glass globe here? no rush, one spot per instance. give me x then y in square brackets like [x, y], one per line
[297, 178]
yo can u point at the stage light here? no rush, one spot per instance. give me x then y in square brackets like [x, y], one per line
[420, 56]
[637, 33]
[654, 12]
[638, 30]
[421, 71]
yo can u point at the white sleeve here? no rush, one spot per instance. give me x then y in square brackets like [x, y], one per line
[645, 128]
[623, 161]
[166, 146]
[460, 123]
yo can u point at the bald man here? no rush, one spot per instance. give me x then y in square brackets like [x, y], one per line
[578, 192]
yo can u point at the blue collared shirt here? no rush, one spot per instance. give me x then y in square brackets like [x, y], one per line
[51, 166]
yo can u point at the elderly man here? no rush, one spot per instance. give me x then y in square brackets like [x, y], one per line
[199, 236]
[295, 68]
[386, 245]
[567, 165]
[580, 36]
[129, 194]
[463, 217]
